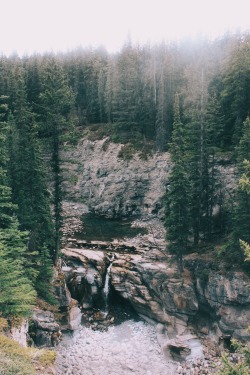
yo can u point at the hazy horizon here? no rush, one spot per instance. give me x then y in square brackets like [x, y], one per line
[40, 26]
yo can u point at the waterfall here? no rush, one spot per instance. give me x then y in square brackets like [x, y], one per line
[107, 282]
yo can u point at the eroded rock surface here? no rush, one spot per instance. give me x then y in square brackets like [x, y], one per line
[20, 333]
[111, 186]
[107, 185]
[46, 330]
[228, 296]
[158, 292]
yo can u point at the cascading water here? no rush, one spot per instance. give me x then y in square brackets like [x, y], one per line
[106, 287]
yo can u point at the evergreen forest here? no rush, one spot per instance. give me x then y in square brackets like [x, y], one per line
[190, 98]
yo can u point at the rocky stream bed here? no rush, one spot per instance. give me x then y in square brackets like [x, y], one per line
[129, 348]
[132, 347]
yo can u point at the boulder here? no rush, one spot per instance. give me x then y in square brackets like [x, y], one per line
[20, 333]
[178, 349]
[85, 280]
[46, 331]
[74, 318]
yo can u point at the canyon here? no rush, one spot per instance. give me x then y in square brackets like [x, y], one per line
[202, 307]
[204, 298]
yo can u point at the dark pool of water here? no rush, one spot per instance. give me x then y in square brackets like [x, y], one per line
[97, 228]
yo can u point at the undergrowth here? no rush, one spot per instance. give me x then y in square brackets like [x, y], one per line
[14, 359]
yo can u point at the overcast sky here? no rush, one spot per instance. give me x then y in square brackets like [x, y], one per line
[27, 26]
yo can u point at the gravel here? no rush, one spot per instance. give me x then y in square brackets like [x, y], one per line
[129, 348]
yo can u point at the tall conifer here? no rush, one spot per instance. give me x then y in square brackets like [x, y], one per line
[177, 194]
[56, 100]
[16, 292]
[30, 191]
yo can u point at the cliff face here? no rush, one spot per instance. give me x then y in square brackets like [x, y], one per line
[94, 175]
[111, 186]
[157, 291]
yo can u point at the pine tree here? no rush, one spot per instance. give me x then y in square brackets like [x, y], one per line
[235, 96]
[126, 94]
[30, 191]
[201, 168]
[56, 99]
[177, 219]
[241, 223]
[16, 292]
[160, 124]
[17, 295]
[244, 185]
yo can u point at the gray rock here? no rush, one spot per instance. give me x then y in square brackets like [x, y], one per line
[46, 329]
[112, 186]
[75, 317]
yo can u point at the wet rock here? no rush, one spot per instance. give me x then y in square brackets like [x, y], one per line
[85, 281]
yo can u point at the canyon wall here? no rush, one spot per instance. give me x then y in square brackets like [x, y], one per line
[218, 306]
[108, 185]
[96, 179]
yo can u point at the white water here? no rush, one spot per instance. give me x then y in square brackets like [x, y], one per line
[129, 348]
[106, 283]
[196, 349]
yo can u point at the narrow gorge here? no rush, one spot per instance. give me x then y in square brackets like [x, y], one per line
[194, 313]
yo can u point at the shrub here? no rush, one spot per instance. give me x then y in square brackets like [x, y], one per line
[14, 359]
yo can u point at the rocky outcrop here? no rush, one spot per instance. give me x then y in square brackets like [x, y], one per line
[155, 289]
[85, 277]
[68, 305]
[158, 292]
[20, 333]
[227, 295]
[111, 186]
[45, 330]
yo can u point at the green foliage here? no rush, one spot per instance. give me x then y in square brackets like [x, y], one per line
[235, 97]
[56, 100]
[14, 359]
[244, 182]
[246, 249]
[28, 181]
[16, 292]
[126, 152]
[96, 132]
[3, 324]
[177, 219]
[240, 368]
[128, 97]
[202, 176]
[241, 222]
[244, 185]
